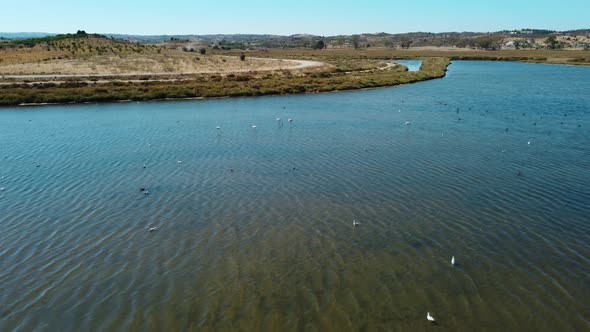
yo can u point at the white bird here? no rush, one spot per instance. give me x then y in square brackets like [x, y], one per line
[453, 260]
[355, 223]
[179, 161]
[429, 317]
[218, 127]
[278, 119]
[149, 145]
[2, 189]
[529, 143]
[408, 123]
[145, 192]
[144, 166]
[151, 229]
[253, 126]
[290, 120]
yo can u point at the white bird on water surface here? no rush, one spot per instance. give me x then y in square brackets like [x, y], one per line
[429, 317]
[453, 260]
[253, 126]
[151, 229]
[355, 223]
[408, 123]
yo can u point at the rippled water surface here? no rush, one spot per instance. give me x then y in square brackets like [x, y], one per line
[254, 226]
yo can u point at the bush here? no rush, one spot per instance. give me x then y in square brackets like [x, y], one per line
[242, 57]
[202, 50]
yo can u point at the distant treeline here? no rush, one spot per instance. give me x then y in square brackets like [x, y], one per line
[48, 40]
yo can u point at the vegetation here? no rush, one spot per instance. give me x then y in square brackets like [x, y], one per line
[318, 45]
[405, 42]
[355, 40]
[488, 42]
[552, 43]
[346, 69]
[245, 84]
[49, 40]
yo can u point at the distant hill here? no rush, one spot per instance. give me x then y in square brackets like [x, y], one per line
[76, 45]
[203, 38]
[414, 39]
[525, 38]
[24, 35]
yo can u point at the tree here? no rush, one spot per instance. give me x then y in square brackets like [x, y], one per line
[318, 45]
[552, 42]
[387, 42]
[462, 42]
[242, 57]
[202, 50]
[356, 41]
[488, 42]
[406, 42]
[80, 32]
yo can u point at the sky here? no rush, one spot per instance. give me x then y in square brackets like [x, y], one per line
[324, 18]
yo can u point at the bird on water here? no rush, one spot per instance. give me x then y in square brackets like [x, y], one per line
[429, 317]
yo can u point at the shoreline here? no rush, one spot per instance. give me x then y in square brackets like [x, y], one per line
[123, 101]
[231, 89]
[216, 86]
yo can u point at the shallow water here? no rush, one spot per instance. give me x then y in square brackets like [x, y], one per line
[254, 226]
[413, 65]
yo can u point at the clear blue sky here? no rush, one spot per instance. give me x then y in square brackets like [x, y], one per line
[318, 17]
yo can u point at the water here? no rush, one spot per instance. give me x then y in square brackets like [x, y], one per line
[413, 65]
[270, 245]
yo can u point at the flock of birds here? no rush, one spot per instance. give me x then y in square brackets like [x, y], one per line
[355, 223]
[146, 192]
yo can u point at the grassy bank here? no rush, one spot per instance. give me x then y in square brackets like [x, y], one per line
[344, 74]
[578, 57]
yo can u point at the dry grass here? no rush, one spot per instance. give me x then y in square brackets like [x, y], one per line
[103, 56]
[170, 62]
[31, 62]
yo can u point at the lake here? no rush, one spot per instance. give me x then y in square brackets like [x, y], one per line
[254, 226]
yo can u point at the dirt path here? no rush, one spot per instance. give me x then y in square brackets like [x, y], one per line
[289, 64]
